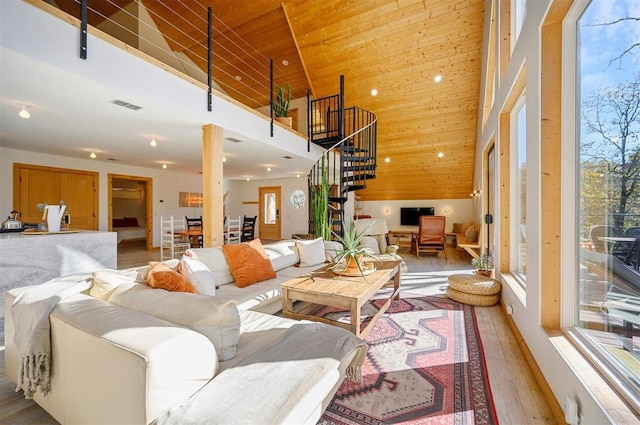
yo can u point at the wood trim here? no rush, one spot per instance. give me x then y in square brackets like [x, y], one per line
[148, 199]
[504, 138]
[505, 35]
[551, 166]
[546, 390]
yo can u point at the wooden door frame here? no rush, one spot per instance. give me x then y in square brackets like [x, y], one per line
[17, 195]
[278, 208]
[148, 184]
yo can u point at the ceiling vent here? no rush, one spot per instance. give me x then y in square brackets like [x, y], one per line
[233, 140]
[126, 104]
[113, 159]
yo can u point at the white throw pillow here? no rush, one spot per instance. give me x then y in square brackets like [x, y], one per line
[216, 262]
[371, 243]
[198, 275]
[311, 252]
[216, 319]
[104, 282]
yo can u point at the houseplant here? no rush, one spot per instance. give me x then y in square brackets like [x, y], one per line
[483, 265]
[320, 204]
[348, 260]
[281, 105]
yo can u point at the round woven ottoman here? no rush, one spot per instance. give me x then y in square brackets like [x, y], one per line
[472, 289]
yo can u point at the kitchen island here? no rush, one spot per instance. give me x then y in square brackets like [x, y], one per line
[31, 259]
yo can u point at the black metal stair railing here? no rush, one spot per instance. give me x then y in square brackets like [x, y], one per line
[349, 160]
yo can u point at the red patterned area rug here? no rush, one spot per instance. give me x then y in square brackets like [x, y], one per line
[425, 365]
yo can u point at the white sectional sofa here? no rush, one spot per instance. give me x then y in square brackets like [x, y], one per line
[125, 353]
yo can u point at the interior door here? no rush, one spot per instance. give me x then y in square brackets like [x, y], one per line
[269, 213]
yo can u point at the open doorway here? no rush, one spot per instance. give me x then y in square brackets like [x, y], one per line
[131, 209]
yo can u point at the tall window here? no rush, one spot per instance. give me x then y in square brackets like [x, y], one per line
[520, 9]
[608, 213]
[519, 137]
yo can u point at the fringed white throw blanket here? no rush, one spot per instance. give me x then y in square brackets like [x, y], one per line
[30, 311]
[267, 386]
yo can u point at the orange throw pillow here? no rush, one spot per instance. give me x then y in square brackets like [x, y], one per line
[164, 277]
[248, 262]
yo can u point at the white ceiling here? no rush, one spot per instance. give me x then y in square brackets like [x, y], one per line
[73, 115]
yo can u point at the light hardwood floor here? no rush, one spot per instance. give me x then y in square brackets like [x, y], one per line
[516, 395]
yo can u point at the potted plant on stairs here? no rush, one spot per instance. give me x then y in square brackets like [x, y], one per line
[281, 106]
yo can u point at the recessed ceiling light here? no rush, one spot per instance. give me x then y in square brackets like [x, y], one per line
[297, 176]
[164, 166]
[92, 155]
[23, 111]
[285, 62]
[374, 92]
[153, 142]
[437, 78]
[440, 154]
[224, 159]
[238, 78]
[269, 169]
[248, 178]
[387, 159]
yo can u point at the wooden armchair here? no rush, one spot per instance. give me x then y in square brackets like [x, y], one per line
[430, 236]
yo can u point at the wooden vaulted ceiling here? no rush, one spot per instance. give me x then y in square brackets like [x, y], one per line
[394, 46]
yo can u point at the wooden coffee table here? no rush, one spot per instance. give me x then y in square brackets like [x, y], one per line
[324, 287]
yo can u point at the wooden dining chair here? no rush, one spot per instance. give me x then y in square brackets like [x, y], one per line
[176, 245]
[196, 241]
[430, 236]
[232, 231]
[248, 228]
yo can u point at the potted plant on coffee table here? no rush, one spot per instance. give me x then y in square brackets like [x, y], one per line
[483, 265]
[281, 105]
[349, 259]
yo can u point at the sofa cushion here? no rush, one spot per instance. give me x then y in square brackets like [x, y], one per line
[332, 248]
[282, 254]
[216, 319]
[216, 262]
[248, 262]
[104, 282]
[197, 273]
[371, 243]
[471, 234]
[162, 276]
[311, 252]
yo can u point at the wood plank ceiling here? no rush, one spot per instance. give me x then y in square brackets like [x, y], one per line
[394, 46]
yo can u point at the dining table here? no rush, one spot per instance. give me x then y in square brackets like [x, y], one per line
[611, 241]
[194, 232]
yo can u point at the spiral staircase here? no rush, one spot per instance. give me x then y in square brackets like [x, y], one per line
[349, 136]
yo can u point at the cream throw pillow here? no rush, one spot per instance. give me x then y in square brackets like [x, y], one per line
[311, 252]
[471, 234]
[217, 320]
[198, 274]
[104, 282]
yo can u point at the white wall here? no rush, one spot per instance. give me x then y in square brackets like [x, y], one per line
[166, 184]
[459, 211]
[292, 221]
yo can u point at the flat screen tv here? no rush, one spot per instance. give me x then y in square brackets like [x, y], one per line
[411, 216]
